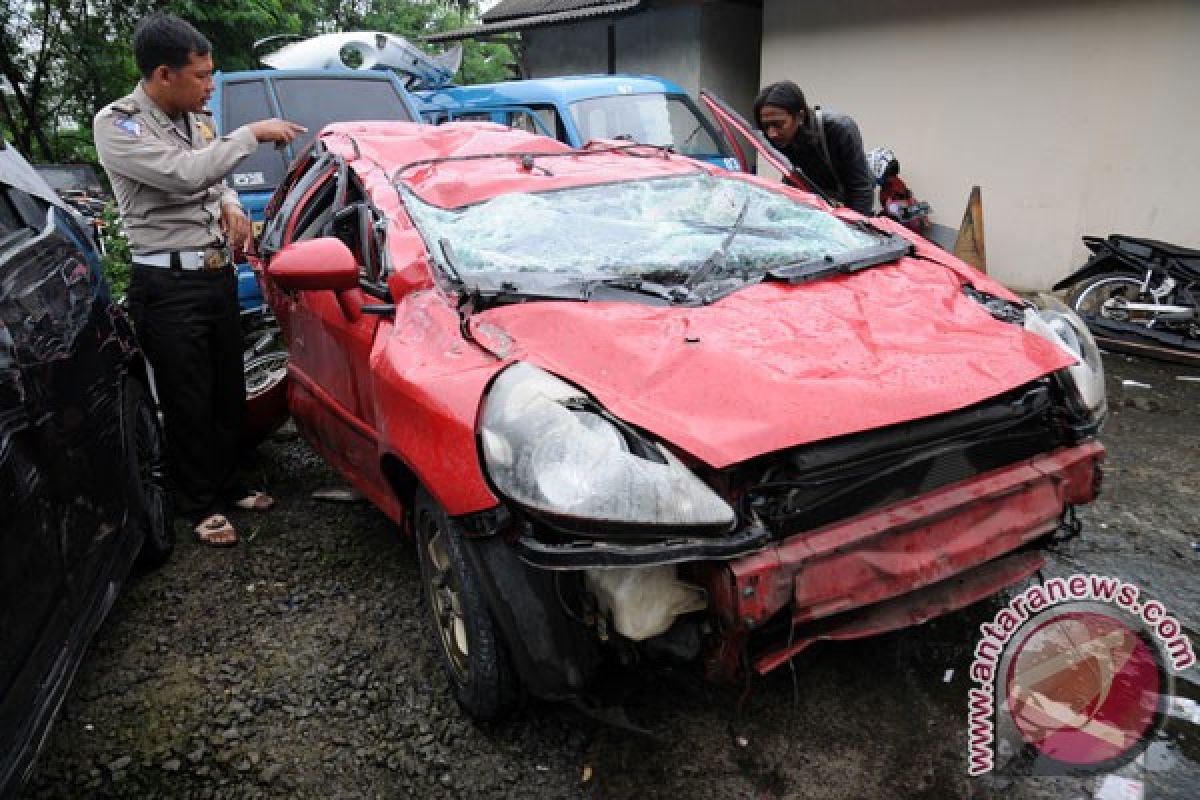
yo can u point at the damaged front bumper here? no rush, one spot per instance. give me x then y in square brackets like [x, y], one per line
[902, 564]
[770, 598]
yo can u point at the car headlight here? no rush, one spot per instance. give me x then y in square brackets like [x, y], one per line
[550, 448]
[1083, 383]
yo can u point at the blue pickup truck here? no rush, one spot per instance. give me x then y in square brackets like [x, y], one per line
[577, 109]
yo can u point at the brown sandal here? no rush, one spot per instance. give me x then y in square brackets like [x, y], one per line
[216, 531]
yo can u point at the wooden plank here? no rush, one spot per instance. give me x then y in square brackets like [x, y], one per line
[969, 246]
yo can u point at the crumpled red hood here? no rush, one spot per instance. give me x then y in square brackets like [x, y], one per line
[775, 366]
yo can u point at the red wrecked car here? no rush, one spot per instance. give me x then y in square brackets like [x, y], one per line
[626, 401]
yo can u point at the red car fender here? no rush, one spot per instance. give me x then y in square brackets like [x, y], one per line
[429, 386]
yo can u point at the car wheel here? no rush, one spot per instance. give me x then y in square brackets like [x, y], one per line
[466, 636]
[149, 503]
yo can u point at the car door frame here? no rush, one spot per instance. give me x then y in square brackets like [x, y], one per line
[330, 337]
[734, 127]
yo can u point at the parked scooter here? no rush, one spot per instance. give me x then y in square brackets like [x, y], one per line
[1139, 295]
[895, 198]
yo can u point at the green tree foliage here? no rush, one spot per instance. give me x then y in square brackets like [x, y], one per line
[58, 58]
[62, 60]
[116, 260]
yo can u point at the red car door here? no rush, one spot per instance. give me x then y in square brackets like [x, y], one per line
[330, 338]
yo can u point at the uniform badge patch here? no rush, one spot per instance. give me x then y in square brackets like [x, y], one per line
[206, 130]
[128, 124]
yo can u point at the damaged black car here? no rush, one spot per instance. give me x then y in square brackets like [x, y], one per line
[82, 496]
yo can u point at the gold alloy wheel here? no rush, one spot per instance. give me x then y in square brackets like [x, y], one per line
[445, 601]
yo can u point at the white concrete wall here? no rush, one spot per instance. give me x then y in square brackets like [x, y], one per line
[1074, 117]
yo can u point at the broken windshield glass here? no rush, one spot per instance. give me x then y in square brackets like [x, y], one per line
[658, 227]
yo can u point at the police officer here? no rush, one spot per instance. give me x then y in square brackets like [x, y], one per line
[166, 165]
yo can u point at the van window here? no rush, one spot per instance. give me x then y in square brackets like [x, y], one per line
[243, 102]
[316, 102]
[546, 116]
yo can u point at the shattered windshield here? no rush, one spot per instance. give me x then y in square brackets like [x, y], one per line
[665, 228]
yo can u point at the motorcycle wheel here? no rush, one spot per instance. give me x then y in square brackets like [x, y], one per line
[1101, 296]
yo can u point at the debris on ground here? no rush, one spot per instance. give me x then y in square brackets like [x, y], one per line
[337, 495]
[1114, 787]
[1136, 394]
[1185, 708]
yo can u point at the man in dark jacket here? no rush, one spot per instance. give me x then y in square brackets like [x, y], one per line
[825, 145]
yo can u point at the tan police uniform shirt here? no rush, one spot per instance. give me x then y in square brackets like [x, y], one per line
[169, 187]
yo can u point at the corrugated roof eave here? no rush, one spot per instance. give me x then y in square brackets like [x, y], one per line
[535, 21]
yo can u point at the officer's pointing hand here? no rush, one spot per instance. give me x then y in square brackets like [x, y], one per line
[275, 130]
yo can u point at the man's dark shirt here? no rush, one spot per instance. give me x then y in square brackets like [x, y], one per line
[845, 151]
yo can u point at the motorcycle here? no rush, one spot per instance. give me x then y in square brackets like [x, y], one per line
[895, 199]
[1139, 295]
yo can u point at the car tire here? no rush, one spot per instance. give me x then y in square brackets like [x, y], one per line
[470, 645]
[149, 502]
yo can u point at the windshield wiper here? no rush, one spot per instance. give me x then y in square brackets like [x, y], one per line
[720, 254]
[812, 269]
[632, 283]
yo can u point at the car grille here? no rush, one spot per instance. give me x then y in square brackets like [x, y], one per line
[807, 487]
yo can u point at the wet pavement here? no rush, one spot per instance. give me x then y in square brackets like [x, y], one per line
[299, 666]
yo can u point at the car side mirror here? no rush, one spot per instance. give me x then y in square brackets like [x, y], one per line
[314, 264]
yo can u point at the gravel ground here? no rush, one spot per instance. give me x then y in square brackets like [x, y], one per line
[298, 665]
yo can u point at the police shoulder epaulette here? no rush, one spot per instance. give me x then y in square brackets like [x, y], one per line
[126, 106]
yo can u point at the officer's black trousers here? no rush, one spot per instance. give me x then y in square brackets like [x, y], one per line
[189, 326]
